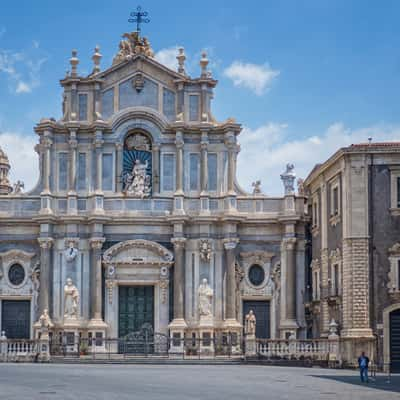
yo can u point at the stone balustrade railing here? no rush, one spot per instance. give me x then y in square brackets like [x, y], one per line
[14, 350]
[314, 349]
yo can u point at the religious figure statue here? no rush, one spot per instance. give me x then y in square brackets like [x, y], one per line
[250, 324]
[45, 321]
[205, 298]
[288, 178]
[138, 182]
[70, 253]
[18, 187]
[257, 187]
[132, 44]
[71, 300]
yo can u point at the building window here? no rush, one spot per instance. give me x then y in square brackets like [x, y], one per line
[194, 107]
[62, 171]
[81, 171]
[335, 202]
[194, 173]
[335, 199]
[107, 103]
[315, 213]
[168, 172]
[83, 107]
[107, 171]
[256, 275]
[395, 189]
[16, 274]
[212, 162]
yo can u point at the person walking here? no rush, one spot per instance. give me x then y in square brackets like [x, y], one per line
[363, 362]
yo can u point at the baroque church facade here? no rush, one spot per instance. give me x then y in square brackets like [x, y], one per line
[137, 218]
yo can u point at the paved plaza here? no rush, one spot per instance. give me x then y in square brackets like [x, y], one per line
[67, 382]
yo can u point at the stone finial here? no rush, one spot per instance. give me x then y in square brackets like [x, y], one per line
[74, 61]
[96, 59]
[5, 186]
[181, 57]
[288, 178]
[203, 64]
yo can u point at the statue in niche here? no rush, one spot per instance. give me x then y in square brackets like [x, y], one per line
[205, 298]
[138, 182]
[70, 253]
[250, 324]
[71, 300]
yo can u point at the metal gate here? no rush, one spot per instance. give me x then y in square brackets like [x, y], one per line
[16, 318]
[395, 340]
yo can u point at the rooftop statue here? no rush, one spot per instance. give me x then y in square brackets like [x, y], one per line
[131, 45]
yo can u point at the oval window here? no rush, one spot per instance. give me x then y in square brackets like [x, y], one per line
[256, 275]
[16, 274]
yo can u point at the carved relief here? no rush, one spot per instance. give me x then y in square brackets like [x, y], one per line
[132, 45]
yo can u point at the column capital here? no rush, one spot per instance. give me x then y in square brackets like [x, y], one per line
[98, 143]
[96, 243]
[230, 243]
[178, 242]
[289, 243]
[45, 243]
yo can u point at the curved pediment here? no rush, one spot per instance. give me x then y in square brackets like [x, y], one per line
[134, 252]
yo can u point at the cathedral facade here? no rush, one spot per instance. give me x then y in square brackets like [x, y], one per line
[137, 218]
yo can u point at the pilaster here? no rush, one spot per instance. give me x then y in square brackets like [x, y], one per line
[45, 261]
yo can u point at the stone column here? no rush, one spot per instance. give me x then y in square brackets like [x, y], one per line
[45, 260]
[47, 142]
[179, 277]
[230, 142]
[204, 163]
[96, 264]
[156, 168]
[119, 168]
[99, 164]
[179, 163]
[230, 246]
[290, 245]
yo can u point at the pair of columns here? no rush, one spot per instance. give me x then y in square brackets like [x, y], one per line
[179, 278]
[96, 293]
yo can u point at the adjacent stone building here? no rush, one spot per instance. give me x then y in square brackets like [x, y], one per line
[354, 275]
[138, 220]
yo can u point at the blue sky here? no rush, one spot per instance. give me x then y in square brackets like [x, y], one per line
[303, 77]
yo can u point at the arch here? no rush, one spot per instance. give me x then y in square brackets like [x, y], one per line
[138, 251]
[386, 332]
[140, 115]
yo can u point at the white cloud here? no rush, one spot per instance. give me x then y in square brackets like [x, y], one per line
[167, 57]
[257, 78]
[23, 159]
[22, 69]
[266, 150]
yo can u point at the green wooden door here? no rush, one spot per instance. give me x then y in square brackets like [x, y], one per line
[136, 308]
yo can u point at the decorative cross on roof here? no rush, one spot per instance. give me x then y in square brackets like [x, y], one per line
[138, 17]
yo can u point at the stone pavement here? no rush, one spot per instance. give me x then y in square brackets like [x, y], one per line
[186, 382]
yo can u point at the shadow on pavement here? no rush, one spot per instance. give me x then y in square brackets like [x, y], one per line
[380, 382]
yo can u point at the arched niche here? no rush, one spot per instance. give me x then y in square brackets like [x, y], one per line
[137, 166]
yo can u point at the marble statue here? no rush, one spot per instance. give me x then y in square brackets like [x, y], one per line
[131, 45]
[288, 178]
[18, 186]
[250, 323]
[70, 253]
[45, 321]
[205, 298]
[138, 182]
[300, 187]
[71, 300]
[257, 187]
